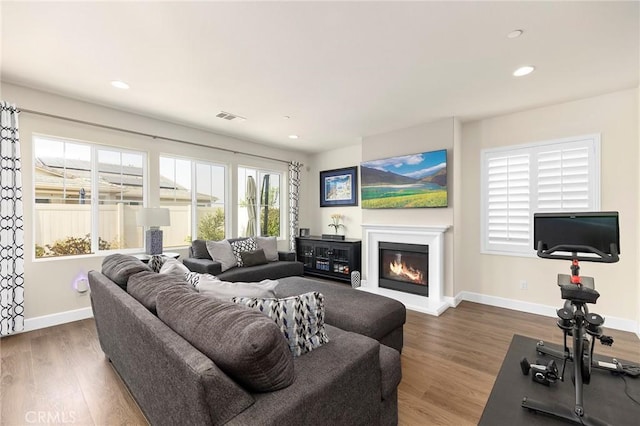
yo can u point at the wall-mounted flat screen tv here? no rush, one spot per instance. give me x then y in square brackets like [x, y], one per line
[405, 181]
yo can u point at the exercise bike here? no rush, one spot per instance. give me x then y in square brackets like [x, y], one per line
[591, 237]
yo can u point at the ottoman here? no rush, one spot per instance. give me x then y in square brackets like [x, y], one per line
[352, 310]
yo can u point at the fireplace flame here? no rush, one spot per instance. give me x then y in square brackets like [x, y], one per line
[408, 273]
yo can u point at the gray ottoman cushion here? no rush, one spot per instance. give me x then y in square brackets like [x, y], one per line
[349, 309]
[391, 374]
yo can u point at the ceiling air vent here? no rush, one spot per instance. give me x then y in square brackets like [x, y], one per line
[228, 116]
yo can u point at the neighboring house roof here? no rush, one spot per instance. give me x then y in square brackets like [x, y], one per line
[55, 174]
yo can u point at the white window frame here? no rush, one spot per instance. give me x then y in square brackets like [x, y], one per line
[194, 197]
[261, 171]
[524, 247]
[95, 194]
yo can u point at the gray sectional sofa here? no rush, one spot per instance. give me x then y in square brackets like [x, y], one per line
[350, 380]
[200, 260]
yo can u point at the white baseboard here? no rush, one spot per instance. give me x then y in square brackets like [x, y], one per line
[45, 321]
[539, 309]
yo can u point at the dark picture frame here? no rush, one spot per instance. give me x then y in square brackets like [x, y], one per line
[339, 187]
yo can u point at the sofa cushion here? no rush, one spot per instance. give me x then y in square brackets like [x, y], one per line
[245, 344]
[271, 270]
[239, 246]
[119, 267]
[174, 267]
[270, 247]
[253, 258]
[199, 249]
[145, 286]
[222, 253]
[300, 318]
[211, 286]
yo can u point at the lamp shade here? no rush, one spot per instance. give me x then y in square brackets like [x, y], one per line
[153, 217]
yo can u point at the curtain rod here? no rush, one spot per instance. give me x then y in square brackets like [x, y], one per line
[149, 135]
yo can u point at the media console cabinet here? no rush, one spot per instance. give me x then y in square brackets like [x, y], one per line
[333, 259]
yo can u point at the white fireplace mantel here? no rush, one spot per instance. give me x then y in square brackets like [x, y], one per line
[433, 236]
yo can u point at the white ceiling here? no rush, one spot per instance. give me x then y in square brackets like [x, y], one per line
[341, 70]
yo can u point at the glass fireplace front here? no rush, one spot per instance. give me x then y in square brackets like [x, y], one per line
[404, 267]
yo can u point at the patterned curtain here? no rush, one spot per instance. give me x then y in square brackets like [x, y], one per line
[11, 225]
[294, 197]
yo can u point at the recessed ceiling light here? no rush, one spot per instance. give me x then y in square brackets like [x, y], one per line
[527, 69]
[293, 136]
[119, 84]
[286, 117]
[515, 34]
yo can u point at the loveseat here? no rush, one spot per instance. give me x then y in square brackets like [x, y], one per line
[350, 380]
[281, 264]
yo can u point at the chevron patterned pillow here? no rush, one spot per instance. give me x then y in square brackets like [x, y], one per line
[300, 318]
[239, 246]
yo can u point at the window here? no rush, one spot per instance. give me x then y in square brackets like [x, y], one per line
[86, 197]
[259, 202]
[552, 176]
[200, 212]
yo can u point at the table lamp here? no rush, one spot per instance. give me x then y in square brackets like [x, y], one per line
[153, 218]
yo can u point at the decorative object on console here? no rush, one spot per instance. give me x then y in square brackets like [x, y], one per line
[408, 181]
[153, 218]
[305, 232]
[335, 222]
[339, 187]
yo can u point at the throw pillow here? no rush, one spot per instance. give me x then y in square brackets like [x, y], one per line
[253, 258]
[300, 319]
[119, 267]
[211, 286]
[199, 249]
[174, 267]
[245, 344]
[145, 286]
[193, 278]
[270, 247]
[222, 253]
[156, 262]
[248, 244]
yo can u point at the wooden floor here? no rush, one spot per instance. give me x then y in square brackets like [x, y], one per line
[59, 375]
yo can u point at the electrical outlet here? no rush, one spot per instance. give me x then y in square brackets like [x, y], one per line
[523, 284]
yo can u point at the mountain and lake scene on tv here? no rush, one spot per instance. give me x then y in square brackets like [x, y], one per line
[407, 181]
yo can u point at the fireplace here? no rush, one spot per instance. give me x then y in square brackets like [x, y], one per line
[404, 267]
[433, 236]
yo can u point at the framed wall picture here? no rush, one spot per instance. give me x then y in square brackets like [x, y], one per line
[339, 187]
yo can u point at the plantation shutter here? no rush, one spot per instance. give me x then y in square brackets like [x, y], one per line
[563, 179]
[519, 181]
[508, 199]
